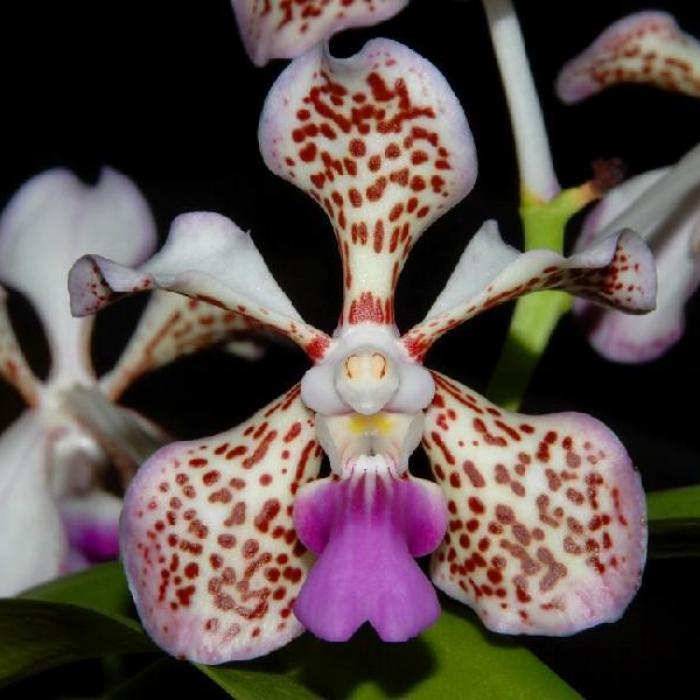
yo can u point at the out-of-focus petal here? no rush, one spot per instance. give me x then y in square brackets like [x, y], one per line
[208, 258]
[13, 366]
[92, 524]
[367, 528]
[617, 271]
[52, 220]
[547, 532]
[33, 545]
[645, 47]
[171, 326]
[284, 29]
[211, 555]
[626, 338]
[381, 142]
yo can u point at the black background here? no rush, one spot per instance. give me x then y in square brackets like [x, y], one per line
[163, 92]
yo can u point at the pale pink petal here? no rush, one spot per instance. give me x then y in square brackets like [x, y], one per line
[13, 366]
[33, 543]
[617, 271]
[286, 29]
[92, 524]
[207, 538]
[381, 142]
[626, 338]
[206, 257]
[645, 47]
[52, 220]
[547, 515]
[172, 326]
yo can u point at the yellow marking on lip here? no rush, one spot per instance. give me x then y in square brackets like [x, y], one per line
[379, 423]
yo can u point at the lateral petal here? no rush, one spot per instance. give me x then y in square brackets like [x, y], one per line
[207, 257]
[207, 538]
[33, 545]
[170, 327]
[644, 47]
[381, 142]
[52, 220]
[617, 271]
[632, 339]
[547, 532]
[279, 29]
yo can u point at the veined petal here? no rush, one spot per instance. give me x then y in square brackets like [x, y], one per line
[367, 528]
[381, 142]
[626, 338]
[617, 271]
[547, 532]
[33, 545]
[171, 326]
[52, 220]
[283, 29]
[207, 539]
[645, 47]
[13, 366]
[92, 524]
[208, 258]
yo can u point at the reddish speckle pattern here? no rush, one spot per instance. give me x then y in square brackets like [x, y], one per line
[287, 28]
[546, 531]
[646, 47]
[173, 326]
[13, 366]
[623, 280]
[382, 147]
[210, 555]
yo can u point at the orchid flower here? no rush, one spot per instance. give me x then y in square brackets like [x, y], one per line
[289, 28]
[644, 47]
[233, 545]
[55, 514]
[664, 207]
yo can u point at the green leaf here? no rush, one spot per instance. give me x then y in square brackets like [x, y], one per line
[674, 538]
[102, 587]
[674, 504]
[36, 635]
[244, 684]
[456, 657]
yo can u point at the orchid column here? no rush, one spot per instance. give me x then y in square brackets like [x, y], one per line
[544, 208]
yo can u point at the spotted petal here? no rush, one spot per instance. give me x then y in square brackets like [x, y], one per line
[33, 545]
[207, 538]
[626, 338]
[617, 271]
[206, 257]
[381, 142]
[645, 47]
[171, 326]
[52, 220]
[13, 366]
[286, 29]
[547, 532]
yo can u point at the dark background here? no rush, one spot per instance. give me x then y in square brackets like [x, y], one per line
[163, 92]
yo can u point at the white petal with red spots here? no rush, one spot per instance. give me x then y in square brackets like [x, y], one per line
[381, 142]
[207, 538]
[645, 47]
[172, 326]
[547, 515]
[206, 257]
[617, 271]
[288, 28]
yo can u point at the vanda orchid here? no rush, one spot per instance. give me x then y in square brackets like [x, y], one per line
[56, 514]
[662, 205]
[233, 545]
